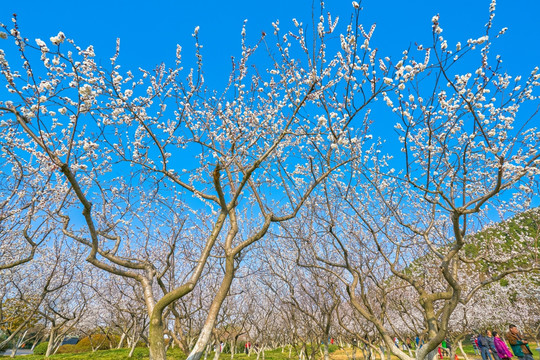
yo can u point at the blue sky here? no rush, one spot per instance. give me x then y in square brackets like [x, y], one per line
[150, 30]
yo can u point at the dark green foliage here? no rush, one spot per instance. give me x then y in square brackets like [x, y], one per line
[41, 348]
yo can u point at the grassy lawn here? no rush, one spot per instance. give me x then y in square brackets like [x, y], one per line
[117, 354]
[142, 353]
[176, 354]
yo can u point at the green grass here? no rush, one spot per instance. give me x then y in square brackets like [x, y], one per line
[117, 354]
[468, 348]
[142, 353]
[177, 354]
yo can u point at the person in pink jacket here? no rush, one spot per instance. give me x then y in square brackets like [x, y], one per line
[502, 350]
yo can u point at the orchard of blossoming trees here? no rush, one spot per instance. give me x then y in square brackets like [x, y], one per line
[147, 206]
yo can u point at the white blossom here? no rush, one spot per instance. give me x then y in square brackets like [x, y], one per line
[42, 45]
[58, 39]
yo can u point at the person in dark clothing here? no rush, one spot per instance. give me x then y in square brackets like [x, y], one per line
[483, 347]
[491, 345]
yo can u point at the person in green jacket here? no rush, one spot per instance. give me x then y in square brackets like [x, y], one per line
[520, 346]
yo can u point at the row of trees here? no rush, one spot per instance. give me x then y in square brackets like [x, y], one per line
[171, 190]
[280, 302]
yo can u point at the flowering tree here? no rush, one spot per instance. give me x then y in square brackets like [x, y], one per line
[307, 297]
[116, 307]
[469, 157]
[23, 224]
[63, 311]
[30, 293]
[163, 167]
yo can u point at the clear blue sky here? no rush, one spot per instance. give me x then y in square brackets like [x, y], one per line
[149, 30]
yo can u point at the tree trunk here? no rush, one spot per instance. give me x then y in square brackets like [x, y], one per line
[18, 344]
[218, 351]
[432, 355]
[135, 341]
[206, 332]
[58, 343]
[121, 340]
[50, 345]
[325, 349]
[381, 352]
[460, 345]
[38, 339]
[155, 338]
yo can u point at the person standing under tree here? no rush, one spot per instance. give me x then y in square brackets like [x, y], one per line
[491, 345]
[502, 350]
[475, 345]
[483, 346]
[519, 345]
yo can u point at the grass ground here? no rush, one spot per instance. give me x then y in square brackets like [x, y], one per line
[176, 354]
[142, 353]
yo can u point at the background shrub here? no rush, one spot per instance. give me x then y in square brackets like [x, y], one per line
[41, 348]
[69, 349]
